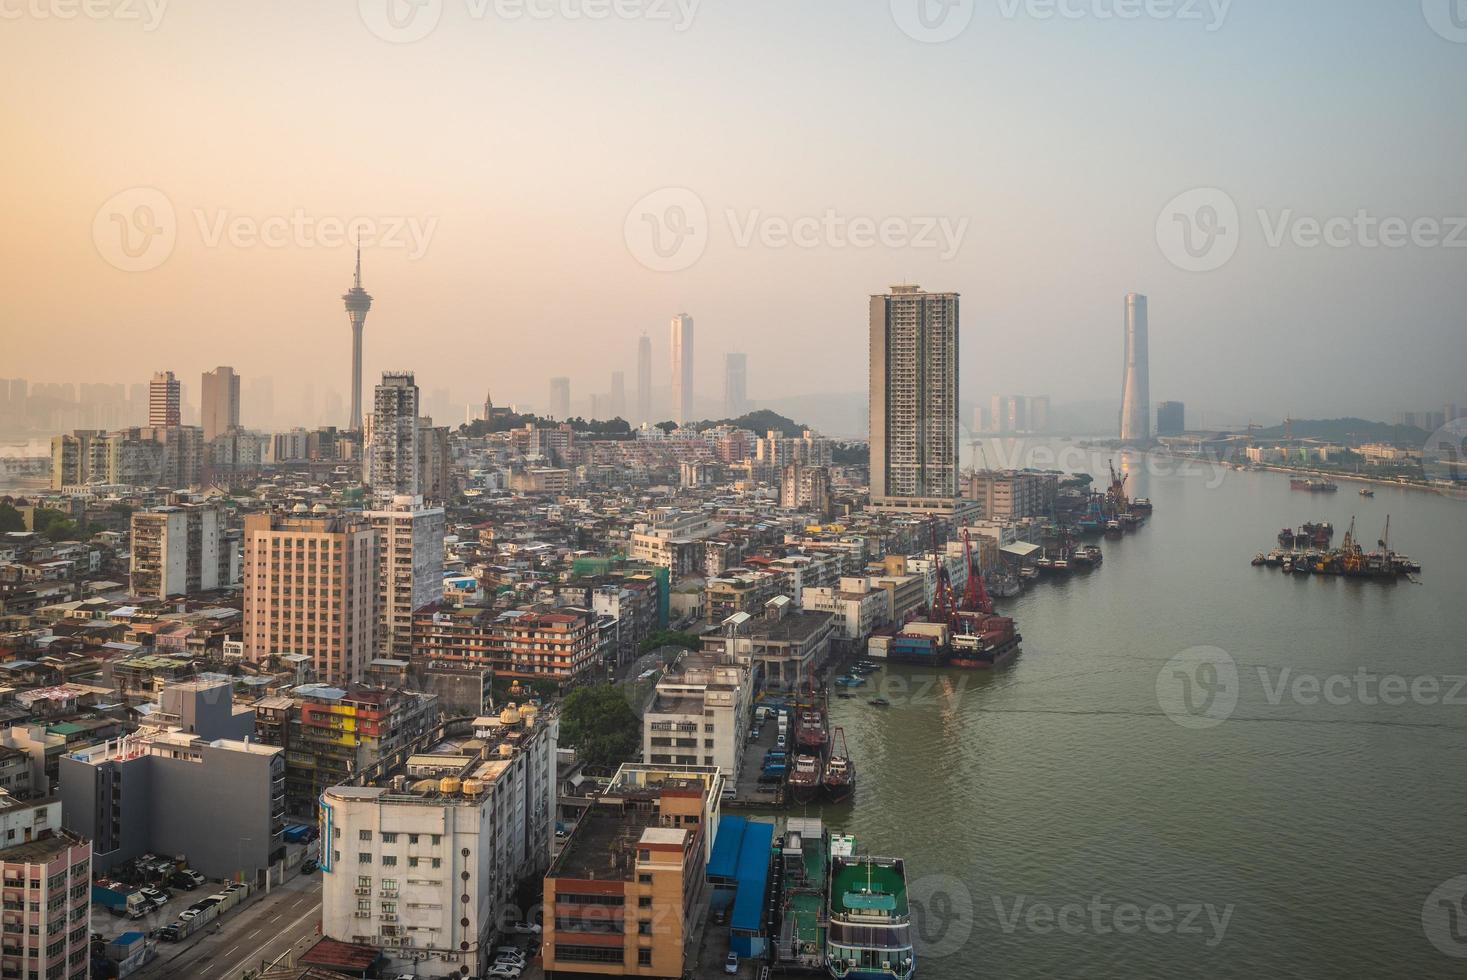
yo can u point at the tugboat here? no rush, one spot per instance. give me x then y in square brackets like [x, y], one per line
[1367, 492]
[840, 771]
[1286, 538]
[805, 778]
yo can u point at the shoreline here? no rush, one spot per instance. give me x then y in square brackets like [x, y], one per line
[1449, 493]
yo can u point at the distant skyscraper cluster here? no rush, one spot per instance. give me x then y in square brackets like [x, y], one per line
[560, 399]
[1014, 414]
[914, 398]
[1136, 384]
[220, 406]
[164, 400]
[1430, 420]
[644, 381]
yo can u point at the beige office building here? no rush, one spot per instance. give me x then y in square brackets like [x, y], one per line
[310, 587]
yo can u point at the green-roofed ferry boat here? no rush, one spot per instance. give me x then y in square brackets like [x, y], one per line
[869, 936]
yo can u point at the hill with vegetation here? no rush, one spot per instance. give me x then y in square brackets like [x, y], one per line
[1348, 431]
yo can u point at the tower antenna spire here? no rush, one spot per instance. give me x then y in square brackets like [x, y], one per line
[358, 281]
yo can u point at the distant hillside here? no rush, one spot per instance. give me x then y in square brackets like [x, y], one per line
[1350, 431]
[761, 421]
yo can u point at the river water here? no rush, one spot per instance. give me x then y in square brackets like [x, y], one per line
[1076, 815]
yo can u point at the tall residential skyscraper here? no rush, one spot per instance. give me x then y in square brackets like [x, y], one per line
[914, 398]
[391, 458]
[357, 304]
[682, 369]
[644, 380]
[560, 398]
[221, 402]
[735, 385]
[410, 569]
[1136, 385]
[618, 394]
[164, 397]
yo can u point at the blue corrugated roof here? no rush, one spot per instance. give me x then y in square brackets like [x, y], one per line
[753, 875]
[725, 860]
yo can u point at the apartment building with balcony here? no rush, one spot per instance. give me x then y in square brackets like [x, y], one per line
[179, 551]
[699, 714]
[621, 898]
[409, 569]
[426, 870]
[45, 894]
[331, 734]
[311, 588]
[558, 644]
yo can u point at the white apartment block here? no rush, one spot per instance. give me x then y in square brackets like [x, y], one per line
[405, 866]
[700, 714]
[858, 608]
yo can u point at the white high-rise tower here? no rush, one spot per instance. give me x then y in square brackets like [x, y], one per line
[682, 369]
[1136, 382]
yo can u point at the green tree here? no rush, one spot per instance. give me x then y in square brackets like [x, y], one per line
[669, 638]
[10, 519]
[600, 725]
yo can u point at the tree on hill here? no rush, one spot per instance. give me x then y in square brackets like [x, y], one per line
[600, 725]
[761, 421]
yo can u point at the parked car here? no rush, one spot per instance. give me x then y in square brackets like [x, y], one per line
[503, 971]
[308, 866]
[155, 895]
[181, 880]
[731, 965]
[189, 914]
[169, 934]
[192, 875]
[525, 928]
[513, 958]
[509, 951]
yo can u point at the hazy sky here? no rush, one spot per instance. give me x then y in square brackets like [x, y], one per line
[516, 150]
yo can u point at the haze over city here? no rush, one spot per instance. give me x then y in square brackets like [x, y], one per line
[496, 163]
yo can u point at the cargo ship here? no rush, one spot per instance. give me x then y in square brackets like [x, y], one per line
[869, 932]
[1350, 560]
[980, 639]
[812, 732]
[840, 771]
[1313, 486]
[806, 778]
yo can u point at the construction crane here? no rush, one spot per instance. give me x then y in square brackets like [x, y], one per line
[975, 593]
[942, 591]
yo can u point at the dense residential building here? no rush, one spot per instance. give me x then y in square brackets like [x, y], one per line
[856, 608]
[310, 588]
[179, 550]
[219, 410]
[331, 734]
[783, 646]
[165, 396]
[1012, 494]
[530, 644]
[390, 458]
[806, 488]
[47, 876]
[220, 802]
[410, 569]
[699, 714]
[674, 540]
[1136, 383]
[914, 399]
[683, 405]
[427, 870]
[622, 897]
